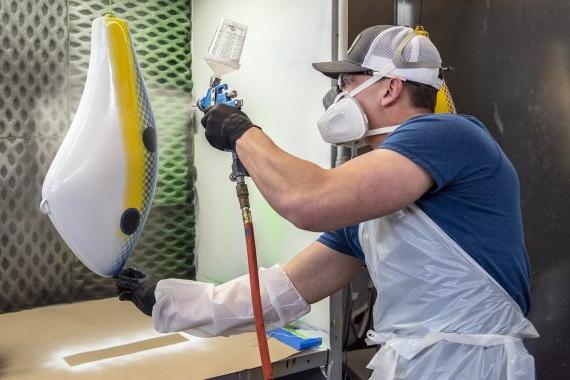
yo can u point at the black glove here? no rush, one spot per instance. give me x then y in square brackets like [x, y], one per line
[133, 285]
[225, 125]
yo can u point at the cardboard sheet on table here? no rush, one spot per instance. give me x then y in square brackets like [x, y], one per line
[112, 340]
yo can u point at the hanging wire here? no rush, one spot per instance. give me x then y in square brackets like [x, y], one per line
[421, 12]
[110, 7]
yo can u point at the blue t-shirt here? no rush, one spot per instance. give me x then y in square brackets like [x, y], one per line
[475, 199]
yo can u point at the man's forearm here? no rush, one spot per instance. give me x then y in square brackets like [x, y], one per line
[285, 181]
[316, 199]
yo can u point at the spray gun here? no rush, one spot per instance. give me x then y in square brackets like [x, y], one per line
[223, 56]
[219, 93]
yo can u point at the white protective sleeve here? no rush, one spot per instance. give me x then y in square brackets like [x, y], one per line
[209, 310]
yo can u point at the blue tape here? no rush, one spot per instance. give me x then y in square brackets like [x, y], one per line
[293, 339]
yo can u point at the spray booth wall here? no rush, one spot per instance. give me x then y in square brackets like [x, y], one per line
[282, 93]
[44, 54]
[512, 70]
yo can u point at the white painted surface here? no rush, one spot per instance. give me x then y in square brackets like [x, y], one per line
[282, 94]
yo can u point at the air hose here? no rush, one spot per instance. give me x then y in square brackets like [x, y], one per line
[223, 56]
[238, 175]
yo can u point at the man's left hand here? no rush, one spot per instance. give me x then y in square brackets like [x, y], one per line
[225, 125]
[137, 287]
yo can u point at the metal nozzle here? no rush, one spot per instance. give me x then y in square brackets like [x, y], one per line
[238, 170]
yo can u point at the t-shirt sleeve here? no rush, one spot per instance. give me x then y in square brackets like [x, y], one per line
[451, 148]
[336, 240]
[344, 240]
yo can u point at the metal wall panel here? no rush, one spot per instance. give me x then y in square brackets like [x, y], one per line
[365, 13]
[33, 68]
[512, 70]
[35, 264]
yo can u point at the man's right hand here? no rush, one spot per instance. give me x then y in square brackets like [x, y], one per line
[137, 287]
[225, 125]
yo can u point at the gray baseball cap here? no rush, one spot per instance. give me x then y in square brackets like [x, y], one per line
[414, 56]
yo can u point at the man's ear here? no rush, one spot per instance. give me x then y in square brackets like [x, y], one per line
[393, 90]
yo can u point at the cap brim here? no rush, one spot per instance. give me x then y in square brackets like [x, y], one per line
[333, 69]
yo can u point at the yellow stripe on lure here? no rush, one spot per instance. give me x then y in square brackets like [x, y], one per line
[122, 61]
[99, 188]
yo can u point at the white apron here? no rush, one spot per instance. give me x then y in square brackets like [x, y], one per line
[438, 314]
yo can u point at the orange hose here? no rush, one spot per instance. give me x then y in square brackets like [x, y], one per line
[256, 301]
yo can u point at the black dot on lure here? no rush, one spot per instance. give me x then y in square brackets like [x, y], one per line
[130, 221]
[149, 139]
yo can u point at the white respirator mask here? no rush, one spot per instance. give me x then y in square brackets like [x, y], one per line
[344, 122]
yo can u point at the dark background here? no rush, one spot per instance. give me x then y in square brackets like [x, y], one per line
[511, 64]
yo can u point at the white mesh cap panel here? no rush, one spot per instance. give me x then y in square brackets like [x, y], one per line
[426, 53]
[418, 61]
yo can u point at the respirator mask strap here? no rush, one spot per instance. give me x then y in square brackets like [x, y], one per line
[371, 132]
[340, 96]
[376, 76]
[382, 131]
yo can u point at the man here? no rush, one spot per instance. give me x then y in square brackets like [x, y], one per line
[433, 212]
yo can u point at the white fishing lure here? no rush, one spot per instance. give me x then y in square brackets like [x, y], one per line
[99, 188]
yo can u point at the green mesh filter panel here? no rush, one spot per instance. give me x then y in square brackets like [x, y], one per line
[45, 48]
[161, 36]
[175, 175]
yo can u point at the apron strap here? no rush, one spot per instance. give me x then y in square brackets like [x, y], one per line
[385, 360]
